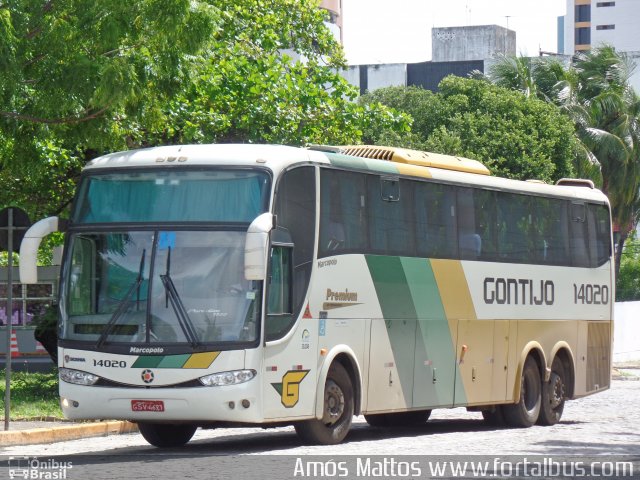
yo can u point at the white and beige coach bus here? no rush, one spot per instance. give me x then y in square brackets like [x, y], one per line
[235, 285]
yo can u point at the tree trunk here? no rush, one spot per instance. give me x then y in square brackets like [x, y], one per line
[624, 233]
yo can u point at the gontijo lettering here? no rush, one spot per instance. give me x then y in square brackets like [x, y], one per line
[518, 291]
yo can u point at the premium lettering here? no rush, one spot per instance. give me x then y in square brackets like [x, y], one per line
[345, 296]
[518, 291]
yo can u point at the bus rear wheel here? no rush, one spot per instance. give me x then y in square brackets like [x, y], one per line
[553, 395]
[337, 413]
[525, 412]
[165, 435]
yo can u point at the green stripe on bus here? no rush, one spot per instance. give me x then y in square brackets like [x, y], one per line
[391, 286]
[433, 337]
[399, 317]
[148, 362]
[174, 361]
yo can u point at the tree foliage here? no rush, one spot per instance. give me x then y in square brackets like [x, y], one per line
[628, 279]
[596, 93]
[84, 78]
[513, 135]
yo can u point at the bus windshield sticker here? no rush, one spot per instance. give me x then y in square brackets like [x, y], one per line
[167, 240]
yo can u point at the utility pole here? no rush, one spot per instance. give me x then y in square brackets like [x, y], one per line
[15, 222]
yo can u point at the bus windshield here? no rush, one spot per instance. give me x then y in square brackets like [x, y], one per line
[159, 287]
[220, 195]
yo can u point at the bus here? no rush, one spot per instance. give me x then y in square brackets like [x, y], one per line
[236, 285]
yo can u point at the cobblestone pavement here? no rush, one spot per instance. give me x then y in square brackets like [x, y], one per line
[604, 424]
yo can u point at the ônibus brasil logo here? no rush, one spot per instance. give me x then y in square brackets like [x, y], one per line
[147, 376]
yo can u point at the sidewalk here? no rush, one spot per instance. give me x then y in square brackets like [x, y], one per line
[29, 433]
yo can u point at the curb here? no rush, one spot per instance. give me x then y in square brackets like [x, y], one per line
[61, 434]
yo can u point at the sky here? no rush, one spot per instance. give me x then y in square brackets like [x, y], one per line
[399, 31]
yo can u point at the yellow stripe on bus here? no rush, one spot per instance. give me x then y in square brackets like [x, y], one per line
[413, 170]
[201, 360]
[454, 290]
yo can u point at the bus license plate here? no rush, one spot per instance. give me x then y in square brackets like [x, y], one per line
[147, 405]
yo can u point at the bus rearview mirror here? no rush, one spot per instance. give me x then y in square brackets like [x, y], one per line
[256, 246]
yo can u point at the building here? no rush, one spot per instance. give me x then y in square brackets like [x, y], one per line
[479, 42]
[454, 51]
[589, 23]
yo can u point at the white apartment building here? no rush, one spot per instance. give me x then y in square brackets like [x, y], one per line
[589, 23]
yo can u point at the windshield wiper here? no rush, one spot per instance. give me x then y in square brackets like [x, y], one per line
[178, 307]
[124, 303]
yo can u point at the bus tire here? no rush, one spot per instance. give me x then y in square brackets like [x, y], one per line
[525, 412]
[553, 395]
[494, 416]
[164, 435]
[337, 411]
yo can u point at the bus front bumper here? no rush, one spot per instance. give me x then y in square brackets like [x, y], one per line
[232, 403]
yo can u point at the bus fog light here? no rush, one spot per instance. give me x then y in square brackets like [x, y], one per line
[66, 403]
[227, 378]
[77, 377]
[246, 403]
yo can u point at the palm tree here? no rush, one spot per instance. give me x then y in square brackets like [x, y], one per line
[606, 111]
[539, 76]
[596, 93]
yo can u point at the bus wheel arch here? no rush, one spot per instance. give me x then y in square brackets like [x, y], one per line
[345, 356]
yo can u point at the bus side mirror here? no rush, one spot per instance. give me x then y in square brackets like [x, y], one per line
[29, 248]
[256, 247]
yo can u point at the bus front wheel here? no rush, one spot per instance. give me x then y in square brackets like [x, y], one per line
[553, 395]
[164, 435]
[337, 413]
[525, 413]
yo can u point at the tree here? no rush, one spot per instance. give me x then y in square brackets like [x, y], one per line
[514, 136]
[69, 66]
[85, 78]
[253, 86]
[628, 279]
[595, 92]
[606, 110]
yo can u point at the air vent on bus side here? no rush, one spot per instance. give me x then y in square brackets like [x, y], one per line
[575, 182]
[411, 157]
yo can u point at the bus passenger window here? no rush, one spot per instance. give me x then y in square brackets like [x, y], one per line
[279, 317]
[579, 236]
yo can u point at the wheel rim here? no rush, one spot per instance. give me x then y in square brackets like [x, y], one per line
[557, 390]
[333, 403]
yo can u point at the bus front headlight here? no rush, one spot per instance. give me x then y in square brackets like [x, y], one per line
[77, 376]
[227, 378]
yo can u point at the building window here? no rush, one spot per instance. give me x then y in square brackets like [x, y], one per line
[583, 13]
[29, 301]
[606, 27]
[583, 36]
[605, 4]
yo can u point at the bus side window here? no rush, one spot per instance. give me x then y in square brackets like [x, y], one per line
[579, 236]
[82, 287]
[469, 242]
[599, 234]
[279, 292]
